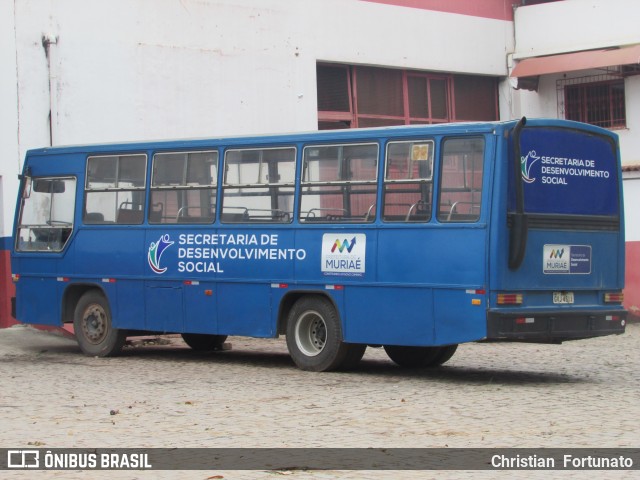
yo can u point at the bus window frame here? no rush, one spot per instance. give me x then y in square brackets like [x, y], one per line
[185, 187]
[372, 212]
[139, 219]
[421, 182]
[464, 189]
[278, 216]
[65, 237]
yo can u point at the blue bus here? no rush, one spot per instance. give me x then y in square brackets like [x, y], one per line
[413, 238]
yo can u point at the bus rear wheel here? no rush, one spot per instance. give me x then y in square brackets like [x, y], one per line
[203, 342]
[314, 337]
[93, 326]
[444, 355]
[415, 357]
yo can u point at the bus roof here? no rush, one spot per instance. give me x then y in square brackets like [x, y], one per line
[315, 136]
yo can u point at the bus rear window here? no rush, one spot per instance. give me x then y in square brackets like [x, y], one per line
[567, 172]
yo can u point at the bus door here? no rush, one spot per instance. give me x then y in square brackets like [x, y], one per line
[44, 227]
[558, 268]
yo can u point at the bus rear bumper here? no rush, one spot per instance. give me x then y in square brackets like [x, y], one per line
[553, 328]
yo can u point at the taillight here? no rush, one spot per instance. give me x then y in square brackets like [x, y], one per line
[613, 297]
[509, 299]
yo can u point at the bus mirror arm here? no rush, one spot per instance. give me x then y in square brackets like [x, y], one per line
[26, 182]
[519, 225]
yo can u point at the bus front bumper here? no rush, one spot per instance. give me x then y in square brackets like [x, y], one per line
[553, 328]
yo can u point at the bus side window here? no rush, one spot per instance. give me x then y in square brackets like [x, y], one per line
[339, 183]
[259, 185]
[183, 187]
[461, 180]
[114, 189]
[408, 181]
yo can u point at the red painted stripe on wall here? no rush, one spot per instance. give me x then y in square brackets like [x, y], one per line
[7, 290]
[496, 9]
[632, 279]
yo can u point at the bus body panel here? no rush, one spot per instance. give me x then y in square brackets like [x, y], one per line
[130, 312]
[46, 310]
[574, 240]
[245, 309]
[373, 315]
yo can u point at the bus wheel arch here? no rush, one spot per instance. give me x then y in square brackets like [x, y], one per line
[290, 299]
[314, 335]
[93, 325]
[71, 297]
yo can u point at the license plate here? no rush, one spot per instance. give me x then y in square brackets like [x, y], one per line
[562, 297]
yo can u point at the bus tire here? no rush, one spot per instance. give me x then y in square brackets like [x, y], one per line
[314, 335]
[355, 352]
[203, 342]
[92, 323]
[412, 357]
[444, 355]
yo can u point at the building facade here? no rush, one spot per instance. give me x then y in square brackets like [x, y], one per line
[85, 71]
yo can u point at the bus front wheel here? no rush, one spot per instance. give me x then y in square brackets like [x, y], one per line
[202, 342]
[414, 357]
[93, 326]
[314, 337]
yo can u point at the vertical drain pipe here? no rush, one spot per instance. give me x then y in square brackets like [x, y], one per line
[49, 43]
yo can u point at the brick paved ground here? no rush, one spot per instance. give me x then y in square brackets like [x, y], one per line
[579, 394]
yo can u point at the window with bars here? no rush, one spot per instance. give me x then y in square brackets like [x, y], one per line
[357, 96]
[598, 103]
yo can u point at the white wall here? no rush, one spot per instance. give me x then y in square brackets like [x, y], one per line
[573, 25]
[631, 201]
[544, 103]
[143, 69]
[9, 155]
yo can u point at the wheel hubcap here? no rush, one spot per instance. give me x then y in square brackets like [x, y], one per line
[94, 324]
[311, 333]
